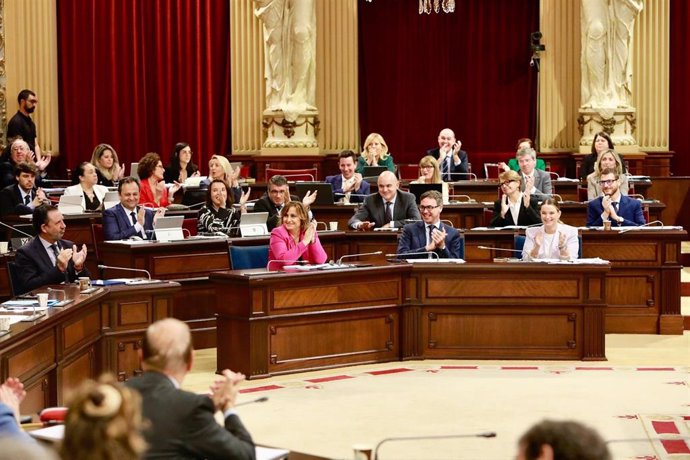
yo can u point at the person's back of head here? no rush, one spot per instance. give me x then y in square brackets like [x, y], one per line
[167, 347]
[103, 422]
[562, 440]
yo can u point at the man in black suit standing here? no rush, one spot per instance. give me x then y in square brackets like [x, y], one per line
[389, 208]
[181, 423]
[47, 258]
[451, 160]
[22, 197]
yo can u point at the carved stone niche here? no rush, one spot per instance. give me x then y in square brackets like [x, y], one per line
[285, 137]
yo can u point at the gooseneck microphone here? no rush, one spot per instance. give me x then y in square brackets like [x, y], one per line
[128, 269]
[348, 256]
[490, 248]
[11, 227]
[411, 254]
[488, 434]
[257, 400]
[628, 229]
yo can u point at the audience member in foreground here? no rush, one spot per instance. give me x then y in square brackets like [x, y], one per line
[91, 193]
[153, 191]
[553, 239]
[375, 153]
[23, 196]
[348, 186]
[276, 197]
[430, 235]
[47, 258]
[613, 207]
[181, 424]
[296, 239]
[562, 440]
[11, 396]
[126, 220]
[607, 160]
[103, 422]
[389, 208]
[108, 168]
[451, 159]
[514, 207]
[219, 215]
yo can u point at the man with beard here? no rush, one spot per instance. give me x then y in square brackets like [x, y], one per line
[21, 123]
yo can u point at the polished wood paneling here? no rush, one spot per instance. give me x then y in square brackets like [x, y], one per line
[76, 370]
[36, 354]
[83, 329]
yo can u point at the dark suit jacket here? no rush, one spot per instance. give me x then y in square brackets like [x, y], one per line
[11, 201]
[117, 224]
[459, 168]
[337, 183]
[413, 239]
[374, 210]
[182, 424]
[542, 182]
[7, 176]
[526, 216]
[35, 268]
[266, 205]
[629, 209]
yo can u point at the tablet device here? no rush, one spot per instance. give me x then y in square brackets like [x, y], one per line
[253, 224]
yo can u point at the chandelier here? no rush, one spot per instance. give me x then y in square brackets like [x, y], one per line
[425, 6]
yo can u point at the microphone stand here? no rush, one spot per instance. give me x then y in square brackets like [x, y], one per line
[110, 267]
[489, 434]
[15, 229]
[347, 256]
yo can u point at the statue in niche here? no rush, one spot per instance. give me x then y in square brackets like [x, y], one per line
[289, 28]
[606, 60]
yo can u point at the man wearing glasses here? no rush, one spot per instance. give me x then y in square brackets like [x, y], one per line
[21, 123]
[430, 235]
[612, 206]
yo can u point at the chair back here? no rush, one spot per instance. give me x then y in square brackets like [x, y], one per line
[408, 172]
[190, 225]
[492, 170]
[245, 257]
[308, 174]
[15, 287]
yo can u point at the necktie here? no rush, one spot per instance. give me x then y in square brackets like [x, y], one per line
[54, 248]
[389, 212]
[445, 169]
[431, 239]
[134, 218]
[615, 206]
[27, 199]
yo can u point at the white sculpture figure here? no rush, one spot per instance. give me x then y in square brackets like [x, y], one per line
[290, 49]
[607, 29]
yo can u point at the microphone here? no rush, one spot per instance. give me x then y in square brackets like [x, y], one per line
[488, 434]
[625, 230]
[111, 267]
[410, 254]
[325, 225]
[469, 198]
[472, 176]
[499, 249]
[11, 227]
[560, 198]
[448, 223]
[257, 400]
[347, 256]
[552, 173]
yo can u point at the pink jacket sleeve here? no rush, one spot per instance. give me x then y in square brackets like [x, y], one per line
[283, 247]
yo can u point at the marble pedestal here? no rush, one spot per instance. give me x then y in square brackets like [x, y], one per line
[285, 137]
[619, 123]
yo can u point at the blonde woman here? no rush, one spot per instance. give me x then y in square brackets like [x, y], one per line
[430, 173]
[219, 168]
[108, 168]
[375, 153]
[607, 160]
[514, 207]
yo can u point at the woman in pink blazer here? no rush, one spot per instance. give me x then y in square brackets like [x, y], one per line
[296, 239]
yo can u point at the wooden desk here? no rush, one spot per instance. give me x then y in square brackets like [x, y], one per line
[96, 333]
[273, 324]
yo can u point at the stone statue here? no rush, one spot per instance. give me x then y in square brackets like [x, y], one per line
[289, 28]
[606, 61]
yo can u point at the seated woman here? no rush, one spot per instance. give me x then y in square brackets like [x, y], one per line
[219, 215]
[108, 168]
[554, 239]
[523, 143]
[514, 207]
[430, 173]
[375, 153]
[296, 239]
[153, 191]
[103, 421]
[91, 193]
[601, 143]
[181, 166]
[607, 160]
[220, 168]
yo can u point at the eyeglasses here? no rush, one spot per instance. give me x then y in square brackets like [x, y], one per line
[607, 182]
[428, 208]
[426, 167]
[507, 182]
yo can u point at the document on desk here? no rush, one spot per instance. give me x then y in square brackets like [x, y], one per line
[435, 261]
[268, 453]
[304, 268]
[589, 261]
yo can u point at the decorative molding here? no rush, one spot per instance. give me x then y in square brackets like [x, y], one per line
[3, 77]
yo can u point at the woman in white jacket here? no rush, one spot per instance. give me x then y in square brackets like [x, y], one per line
[553, 239]
[91, 193]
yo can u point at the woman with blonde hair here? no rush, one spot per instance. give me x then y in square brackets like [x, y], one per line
[219, 168]
[375, 153]
[103, 422]
[514, 207]
[108, 168]
[607, 160]
[430, 173]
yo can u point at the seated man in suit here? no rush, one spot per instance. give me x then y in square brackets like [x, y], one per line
[430, 235]
[22, 197]
[277, 196]
[451, 160]
[613, 206]
[535, 181]
[47, 258]
[389, 208]
[127, 219]
[181, 423]
[348, 185]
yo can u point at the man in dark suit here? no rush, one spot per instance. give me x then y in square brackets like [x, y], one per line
[181, 423]
[348, 185]
[612, 206]
[535, 181]
[389, 208]
[47, 258]
[430, 235]
[277, 196]
[451, 160]
[127, 220]
[22, 197]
